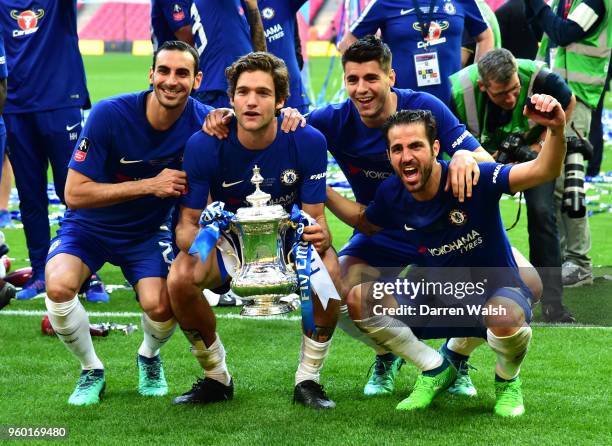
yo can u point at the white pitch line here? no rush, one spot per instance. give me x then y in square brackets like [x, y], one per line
[132, 314]
[569, 326]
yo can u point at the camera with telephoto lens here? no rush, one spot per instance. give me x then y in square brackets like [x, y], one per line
[574, 202]
[514, 149]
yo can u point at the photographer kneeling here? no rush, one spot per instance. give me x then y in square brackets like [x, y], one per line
[489, 98]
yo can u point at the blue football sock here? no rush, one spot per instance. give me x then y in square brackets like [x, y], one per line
[454, 357]
[438, 369]
[387, 357]
[502, 380]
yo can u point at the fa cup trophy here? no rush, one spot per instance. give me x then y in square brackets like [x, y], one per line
[263, 276]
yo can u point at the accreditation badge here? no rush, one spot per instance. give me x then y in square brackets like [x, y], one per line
[427, 69]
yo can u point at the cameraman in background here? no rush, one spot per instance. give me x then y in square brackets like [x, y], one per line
[577, 44]
[489, 98]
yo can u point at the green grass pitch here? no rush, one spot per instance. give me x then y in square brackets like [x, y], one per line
[566, 373]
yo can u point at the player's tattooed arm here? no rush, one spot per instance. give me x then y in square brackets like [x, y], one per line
[319, 233]
[3, 88]
[258, 38]
[83, 192]
[187, 227]
[350, 212]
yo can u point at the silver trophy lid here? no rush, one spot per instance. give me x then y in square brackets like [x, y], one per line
[258, 198]
[259, 210]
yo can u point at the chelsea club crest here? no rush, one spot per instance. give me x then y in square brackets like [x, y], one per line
[288, 177]
[457, 217]
[449, 8]
[267, 13]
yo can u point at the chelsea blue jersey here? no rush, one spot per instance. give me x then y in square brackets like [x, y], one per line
[168, 16]
[221, 34]
[118, 144]
[278, 17]
[293, 168]
[450, 233]
[403, 30]
[43, 57]
[361, 152]
[3, 75]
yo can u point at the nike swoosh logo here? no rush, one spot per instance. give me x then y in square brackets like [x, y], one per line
[408, 228]
[72, 127]
[124, 161]
[224, 184]
[406, 11]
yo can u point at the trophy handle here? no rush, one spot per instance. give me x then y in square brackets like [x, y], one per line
[288, 225]
[232, 253]
[288, 262]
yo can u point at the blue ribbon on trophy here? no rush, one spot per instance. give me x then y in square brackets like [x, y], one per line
[302, 253]
[311, 272]
[213, 220]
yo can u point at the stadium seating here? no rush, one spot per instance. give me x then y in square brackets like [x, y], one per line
[115, 22]
[119, 22]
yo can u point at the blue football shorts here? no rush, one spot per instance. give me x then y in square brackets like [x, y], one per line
[381, 250]
[149, 256]
[441, 326]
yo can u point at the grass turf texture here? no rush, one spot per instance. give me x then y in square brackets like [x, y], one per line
[564, 376]
[564, 398]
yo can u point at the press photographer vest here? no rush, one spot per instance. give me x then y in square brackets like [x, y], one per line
[583, 64]
[470, 103]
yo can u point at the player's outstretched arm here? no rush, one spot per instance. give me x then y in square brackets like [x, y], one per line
[187, 227]
[83, 192]
[350, 212]
[547, 166]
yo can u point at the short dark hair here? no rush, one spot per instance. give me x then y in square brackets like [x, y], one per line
[260, 61]
[366, 49]
[498, 65]
[178, 45]
[407, 117]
